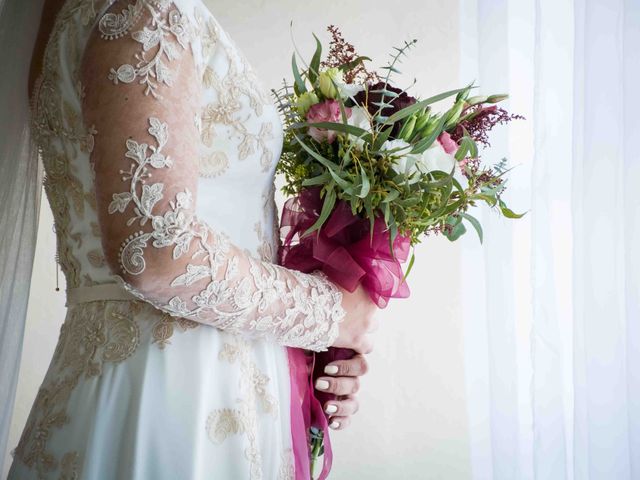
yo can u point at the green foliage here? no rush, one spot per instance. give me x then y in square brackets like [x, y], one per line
[414, 202]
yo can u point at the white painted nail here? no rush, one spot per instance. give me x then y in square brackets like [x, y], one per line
[335, 424]
[331, 369]
[322, 384]
[331, 408]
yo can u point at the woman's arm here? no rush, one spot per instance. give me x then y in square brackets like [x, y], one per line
[145, 163]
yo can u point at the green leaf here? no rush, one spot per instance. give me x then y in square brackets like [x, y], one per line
[346, 186]
[336, 127]
[324, 161]
[507, 212]
[382, 137]
[365, 183]
[369, 209]
[296, 75]
[410, 266]
[327, 208]
[487, 198]
[474, 223]
[393, 194]
[314, 67]
[345, 67]
[318, 180]
[405, 112]
[457, 231]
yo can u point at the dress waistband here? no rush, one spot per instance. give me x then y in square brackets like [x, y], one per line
[105, 291]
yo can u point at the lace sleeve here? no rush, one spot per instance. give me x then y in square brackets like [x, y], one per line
[144, 160]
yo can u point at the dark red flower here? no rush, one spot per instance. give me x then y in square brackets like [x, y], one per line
[369, 100]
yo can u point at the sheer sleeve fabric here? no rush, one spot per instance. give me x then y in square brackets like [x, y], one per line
[145, 168]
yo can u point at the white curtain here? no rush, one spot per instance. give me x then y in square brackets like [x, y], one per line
[20, 191]
[552, 301]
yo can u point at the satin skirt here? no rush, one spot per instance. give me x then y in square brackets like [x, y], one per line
[134, 393]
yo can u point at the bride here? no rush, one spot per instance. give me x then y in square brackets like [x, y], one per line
[159, 145]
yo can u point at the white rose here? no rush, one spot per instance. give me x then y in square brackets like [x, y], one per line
[359, 118]
[347, 90]
[435, 158]
[405, 162]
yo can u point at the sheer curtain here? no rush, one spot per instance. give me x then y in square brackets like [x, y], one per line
[552, 301]
[20, 191]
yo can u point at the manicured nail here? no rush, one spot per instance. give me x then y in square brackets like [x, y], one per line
[335, 424]
[331, 369]
[322, 384]
[331, 408]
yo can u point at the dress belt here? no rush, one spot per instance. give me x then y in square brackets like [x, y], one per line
[104, 291]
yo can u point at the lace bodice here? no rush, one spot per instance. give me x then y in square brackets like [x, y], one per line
[159, 145]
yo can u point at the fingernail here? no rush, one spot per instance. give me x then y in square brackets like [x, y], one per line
[331, 408]
[334, 424]
[322, 384]
[331, 369]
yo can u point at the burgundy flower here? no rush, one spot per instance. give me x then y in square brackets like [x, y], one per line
[398, 103]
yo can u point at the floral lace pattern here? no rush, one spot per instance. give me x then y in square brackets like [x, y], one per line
[224, 422]
[152, 71]
[212, 281]
[298, 309]
[94, 333]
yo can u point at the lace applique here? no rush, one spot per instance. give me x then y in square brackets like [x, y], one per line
[61, 135]
[238, 83]
[151, 71]
[164, 328]
[224, 422]
[213, 165]
[94, 333]
[268, 248]
[298, 309]
[287, 471]
[69, 466]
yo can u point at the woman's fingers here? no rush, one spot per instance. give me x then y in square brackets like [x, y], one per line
[353, 367]
[338, 385]
[342, 408]
[338, 423]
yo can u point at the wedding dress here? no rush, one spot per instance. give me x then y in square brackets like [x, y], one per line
[171, 361]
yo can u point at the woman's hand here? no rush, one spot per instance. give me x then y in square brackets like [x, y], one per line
[342, 379]
[355, 330]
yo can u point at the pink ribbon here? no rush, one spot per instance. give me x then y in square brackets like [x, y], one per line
[345, 251]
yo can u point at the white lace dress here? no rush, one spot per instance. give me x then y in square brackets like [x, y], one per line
[159, 145]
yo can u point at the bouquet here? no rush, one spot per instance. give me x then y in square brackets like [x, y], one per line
[370, 171]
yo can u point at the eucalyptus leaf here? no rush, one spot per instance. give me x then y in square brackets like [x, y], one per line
[507, 212]
[324, 161]
[318, 180]
[474, 223]
[336, 127]
[410, 266]
[296, 75]
[405, 112]
[314, 67]
[327, 208]
[345, 67]
[456, 232]
[365, 183]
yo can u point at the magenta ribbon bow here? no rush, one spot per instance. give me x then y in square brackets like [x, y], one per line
[344, 250]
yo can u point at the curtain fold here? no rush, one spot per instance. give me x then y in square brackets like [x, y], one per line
[552, 317]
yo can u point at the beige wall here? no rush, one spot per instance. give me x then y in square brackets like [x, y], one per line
[412, 422]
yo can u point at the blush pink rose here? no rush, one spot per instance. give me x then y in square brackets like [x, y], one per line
[449, 145]
[327, 111]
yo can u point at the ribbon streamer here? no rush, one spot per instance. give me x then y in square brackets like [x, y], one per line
[346, 250]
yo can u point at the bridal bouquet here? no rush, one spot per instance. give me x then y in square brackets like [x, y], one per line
[371, 170]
